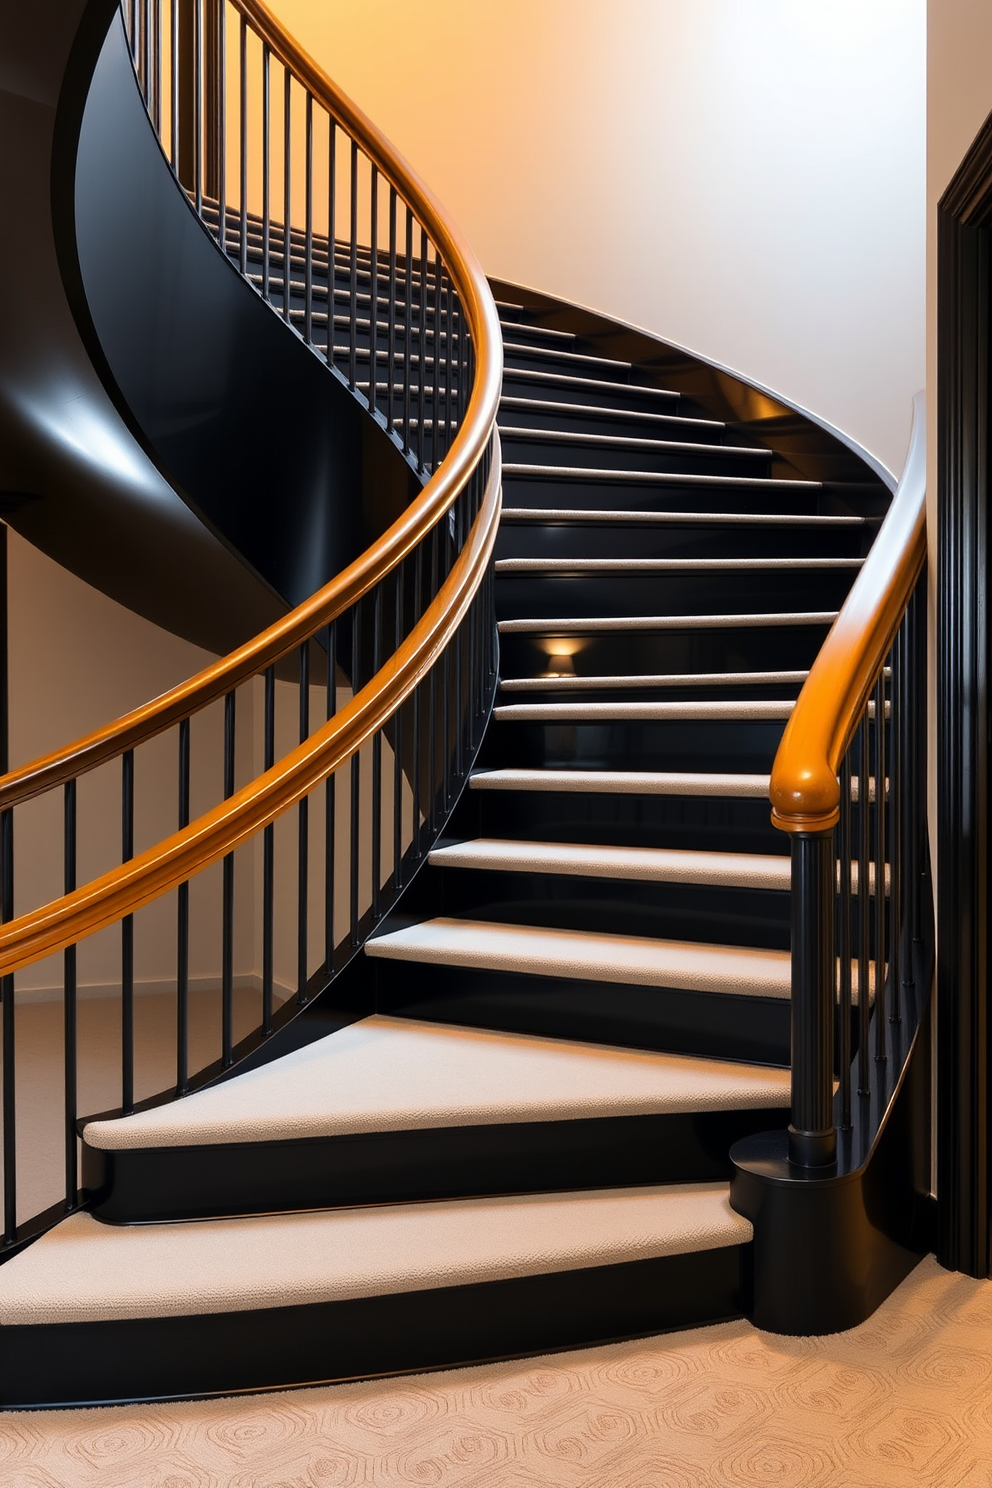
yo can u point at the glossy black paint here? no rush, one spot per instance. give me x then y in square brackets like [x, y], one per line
[159, 1184]
[194, 356]
[229, 1353]
[964, 1029]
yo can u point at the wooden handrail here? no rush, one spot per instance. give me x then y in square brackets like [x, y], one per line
[804, 789]
[448, 481]
[122, 891]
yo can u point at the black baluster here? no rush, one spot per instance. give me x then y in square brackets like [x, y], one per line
[844, 950]
[864, 908]
[329, 803]
[303, 839]
[408, 337]
[422, 381]
[374, 294]
[332, 263]
[127, 939]
[287, 195]
[182, 929]
[398, 746]
[198, 104]
[174, 144]
[243, 60]
[897, 694]
[812, 1136]
[7, 1008]
[880, 863]
[391, 347]
[227, 909]
[219, 145]
[308, 265]
[70, 1047]
[266, 173]
[353, 269]
[377, 765]
[356, 619]
[268, 859]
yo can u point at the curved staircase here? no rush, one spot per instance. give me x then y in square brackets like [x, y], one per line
[517, 1136]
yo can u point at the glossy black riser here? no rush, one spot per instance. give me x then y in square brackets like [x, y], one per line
[556, 539]
[160, 1184]
[615, 456]
[227, 1353]
[521, 358]
[711, 1024]
[604, 595]
[740, 745]
[530, 413]
[569, 388]
[670, 911]
[651, 820]
[536, 488]
[715, 649]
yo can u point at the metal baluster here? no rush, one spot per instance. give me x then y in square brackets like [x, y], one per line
[353, 266]
[303, 839]
[268, 859]
[408, 337]
[127, 939]
[916, 677]
[332, 265]
[897, 693]
[174, 87]
[198, 103]
[391, 347]
[70, 1048]
[864, 907]
[374, 295]
[445, 662]
[377, 765]
[243, 59]
[266, 173]
[182, 929]
[880, 856]
[157, 66]
[287, 184]
[308, 264]
[356, 616]
[812, 1137]
[844, 943]
[221, 142]
[145, 70]
[418, 610]
[7, 1009]
[227, 911]
[422, 381]
[329, 822]
[398, 744]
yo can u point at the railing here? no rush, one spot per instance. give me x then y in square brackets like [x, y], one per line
[849, 785]
[359, 712]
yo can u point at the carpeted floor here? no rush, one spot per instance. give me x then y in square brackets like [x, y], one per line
[906, 1399]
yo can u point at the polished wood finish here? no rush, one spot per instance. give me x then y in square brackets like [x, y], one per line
[804, 792]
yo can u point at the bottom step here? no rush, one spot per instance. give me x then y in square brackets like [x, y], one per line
[93, 1313]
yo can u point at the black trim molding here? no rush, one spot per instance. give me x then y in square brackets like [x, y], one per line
[964, 1108]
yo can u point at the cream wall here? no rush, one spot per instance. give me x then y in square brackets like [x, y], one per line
[745, 179]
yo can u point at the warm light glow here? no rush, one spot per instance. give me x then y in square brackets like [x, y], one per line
[560, 664]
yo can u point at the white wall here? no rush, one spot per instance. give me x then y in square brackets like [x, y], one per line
[745, 179]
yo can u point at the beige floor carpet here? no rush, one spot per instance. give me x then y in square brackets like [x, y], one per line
[904, 1401]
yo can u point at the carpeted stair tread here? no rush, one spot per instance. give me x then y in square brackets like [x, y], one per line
[592, 516]
[588, 956]
[84, 1271]
[585, 860]
[625, 782]
[393, 1074]
[652, 680]
[668, 565]
[593, 624]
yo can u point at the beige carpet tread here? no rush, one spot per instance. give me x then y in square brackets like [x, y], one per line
[660, 679]
[670, 518]
[640, 712]
[83, 1271]
[393, 1074]
[589, 956]
[594, 625]
[667, 565]
[651, 864]
[624, 782]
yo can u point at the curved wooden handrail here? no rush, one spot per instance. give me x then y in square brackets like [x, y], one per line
[804, 789]
[467, 449]
[122, 891]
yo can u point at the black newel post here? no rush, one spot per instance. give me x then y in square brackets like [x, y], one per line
[812, 1135]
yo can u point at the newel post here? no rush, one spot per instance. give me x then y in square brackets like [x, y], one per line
[812, 1134]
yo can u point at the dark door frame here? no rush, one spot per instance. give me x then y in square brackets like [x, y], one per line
[964, 1097]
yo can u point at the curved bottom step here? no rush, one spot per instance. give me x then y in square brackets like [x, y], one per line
[93, 1313]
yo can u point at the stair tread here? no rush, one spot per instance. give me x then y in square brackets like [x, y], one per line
[654, 477]
[644, 680]
[589, 956]
[620, 441]
[84, 1271]
[651, 864]
[568, 358]
[637, 415]
[564, 625]
[592, 516]
[624, 782]
[590, 384]
[670, 565]
[393, 1074]
[642, 712]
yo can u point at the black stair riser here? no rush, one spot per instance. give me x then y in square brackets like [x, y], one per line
[564, 363]
[615, 653]
[775, 498]
[732, 824]
[628, 424]
[156, 1185]
[606, 595]
[146, 1359]
[748, 747]
[573, 388]
[629, 690]
[621, 457]
[662, 911]
[557, 539]
[710, 1024]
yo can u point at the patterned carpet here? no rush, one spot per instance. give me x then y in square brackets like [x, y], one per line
[906, 1399]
